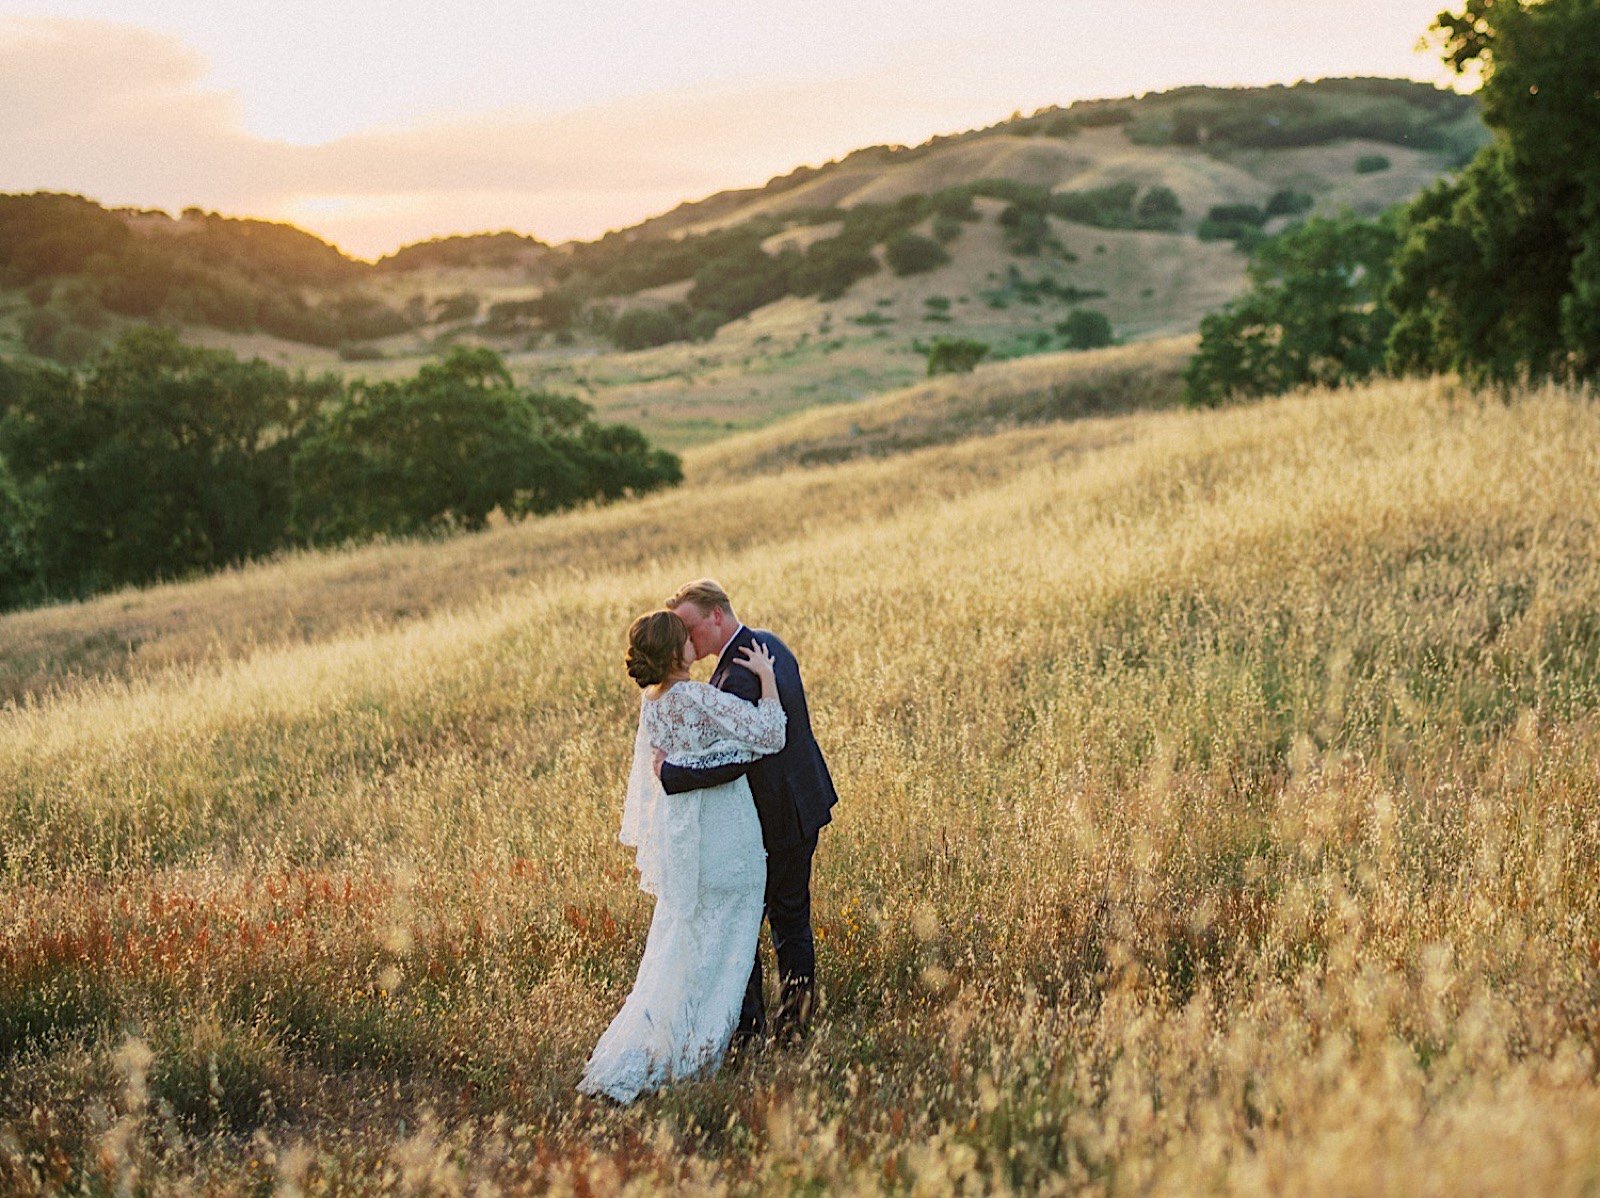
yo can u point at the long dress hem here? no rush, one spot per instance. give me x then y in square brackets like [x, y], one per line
[700, 854]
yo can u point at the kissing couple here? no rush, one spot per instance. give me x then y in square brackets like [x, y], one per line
[727, 794]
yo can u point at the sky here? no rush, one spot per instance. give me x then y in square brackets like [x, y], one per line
[391, 121]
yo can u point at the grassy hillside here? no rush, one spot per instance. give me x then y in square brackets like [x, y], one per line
[1229, 124]
[1004, 395]
[135, 632]
[1217, 817]
[781, 339]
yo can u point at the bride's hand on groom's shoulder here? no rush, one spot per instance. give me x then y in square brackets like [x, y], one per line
[757, 659]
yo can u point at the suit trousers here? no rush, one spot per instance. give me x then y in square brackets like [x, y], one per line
[789, 919]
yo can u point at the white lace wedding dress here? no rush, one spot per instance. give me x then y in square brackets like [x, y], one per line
[700, 854]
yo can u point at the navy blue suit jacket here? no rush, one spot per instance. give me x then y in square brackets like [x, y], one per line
[793, 790]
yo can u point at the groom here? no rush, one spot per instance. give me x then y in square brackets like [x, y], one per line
[793, 792]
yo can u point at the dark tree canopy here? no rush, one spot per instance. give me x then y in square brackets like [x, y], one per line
[640, 328]
[444, 449]
[955, 355]
[1494, 273]
[910, 253]
[163, 459]
[1311, 315]
[1499, 269]
[1086, 328]
[19, 565]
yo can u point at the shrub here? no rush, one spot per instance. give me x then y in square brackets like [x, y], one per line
[911, 254]
[361, 318]
[1109, 207]
[1288, 202]
[830, 266]
[50, 333]
[1232, 222]
[1159, 209]
[558, 308]
[954, 202]
[1085, 328]
[462, 306]
[743, 281]
[1247, 214]
[1026, 228]
[955, 356]
[946, 228]
[703, 325]
[1371, 164]
[641, 328]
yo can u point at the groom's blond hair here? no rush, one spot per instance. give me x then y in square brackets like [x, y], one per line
[704, 593]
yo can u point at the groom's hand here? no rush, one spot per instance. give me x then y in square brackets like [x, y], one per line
[659, 757]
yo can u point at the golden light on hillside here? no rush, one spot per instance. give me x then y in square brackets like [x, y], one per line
[1217, 816]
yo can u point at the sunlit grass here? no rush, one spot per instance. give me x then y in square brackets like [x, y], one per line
[1218, 815]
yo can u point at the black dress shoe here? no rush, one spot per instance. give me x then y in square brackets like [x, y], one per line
[745, 1048]
[792, 1023]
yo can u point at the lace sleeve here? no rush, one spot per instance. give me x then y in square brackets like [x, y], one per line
[762, 727]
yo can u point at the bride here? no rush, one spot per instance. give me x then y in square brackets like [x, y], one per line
[700, 854]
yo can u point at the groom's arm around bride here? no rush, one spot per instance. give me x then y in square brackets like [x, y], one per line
[794, 797]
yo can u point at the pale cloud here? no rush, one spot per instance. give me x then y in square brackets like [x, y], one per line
[120, 113]
[131, 116]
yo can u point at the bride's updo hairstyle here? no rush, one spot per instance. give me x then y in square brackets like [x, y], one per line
[655, 643]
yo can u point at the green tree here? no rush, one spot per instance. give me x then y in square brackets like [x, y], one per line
[641, 328]
[910, 253]
[1313, 314]
[1159, 209]
[1286, 201]
[1480, 278]
[742, 281]
[955, 355]
[19, 552]
[703, 325]
[1232, 222]
[831, 265]
[1498, 272]
[1085, 328]
[161, 460]
[49, 333]
[446, 448]
[1026, 228]
[463, 305]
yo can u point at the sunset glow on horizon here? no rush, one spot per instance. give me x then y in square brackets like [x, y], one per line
[376, 132]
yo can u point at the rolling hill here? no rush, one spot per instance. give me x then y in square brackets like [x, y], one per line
[774, 299]
[1218, 817]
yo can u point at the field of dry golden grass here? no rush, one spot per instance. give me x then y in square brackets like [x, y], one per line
[1218, 815]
